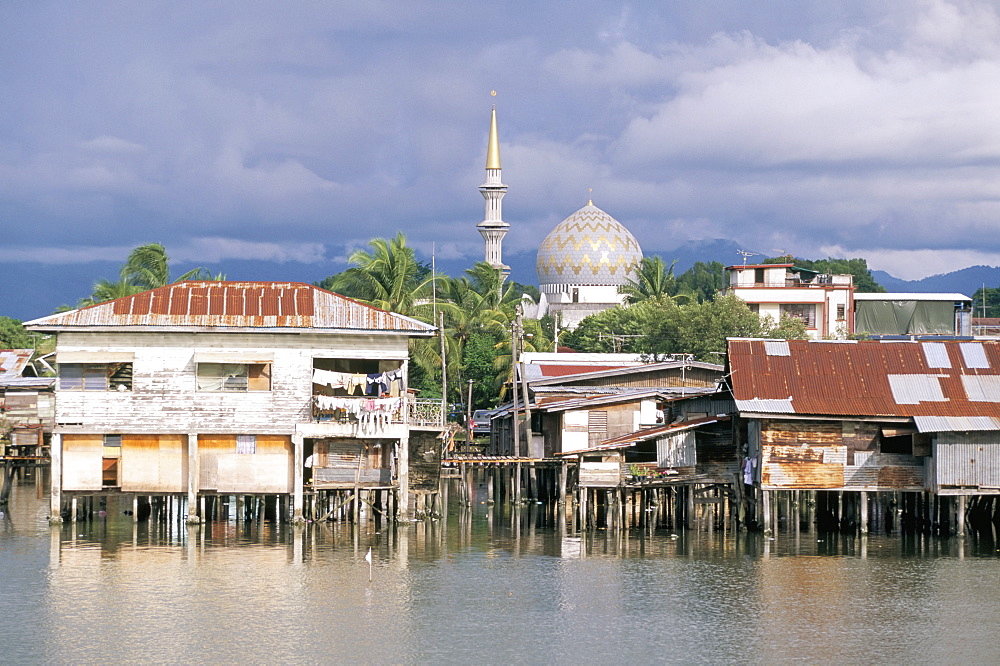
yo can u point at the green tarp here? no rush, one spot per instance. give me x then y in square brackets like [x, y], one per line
[904, 317]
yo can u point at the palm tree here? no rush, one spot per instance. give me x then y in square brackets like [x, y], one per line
[147, 267]
[386, 277]
[653, 279]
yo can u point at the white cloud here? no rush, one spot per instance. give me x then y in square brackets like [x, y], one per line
[214, 250]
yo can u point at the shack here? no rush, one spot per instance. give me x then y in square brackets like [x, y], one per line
[231, 389]
[865, 417]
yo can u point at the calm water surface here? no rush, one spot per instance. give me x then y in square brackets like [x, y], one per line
[483, 587]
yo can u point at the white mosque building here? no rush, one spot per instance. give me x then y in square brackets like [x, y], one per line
[581, 263]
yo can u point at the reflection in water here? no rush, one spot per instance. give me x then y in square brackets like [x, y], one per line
[489, 584]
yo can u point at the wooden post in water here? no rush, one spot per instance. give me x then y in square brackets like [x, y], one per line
[863, 511]
[766, 506]
[960, 529]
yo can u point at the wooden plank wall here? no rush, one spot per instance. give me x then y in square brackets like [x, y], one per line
[268, 470]
[154, 463]
[82, 456]
[164, 396]
[833, 454]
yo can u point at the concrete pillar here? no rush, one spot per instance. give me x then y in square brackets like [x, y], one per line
[55, 492]
[193, 480]
[298, 467]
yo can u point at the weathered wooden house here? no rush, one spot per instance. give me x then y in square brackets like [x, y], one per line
[27, 407]
[869, 416]
[575, 407]
[233, 388]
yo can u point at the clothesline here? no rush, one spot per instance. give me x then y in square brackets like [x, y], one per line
[370, 413]
[375, 383]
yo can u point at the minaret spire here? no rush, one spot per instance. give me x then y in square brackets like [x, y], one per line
[493, 228]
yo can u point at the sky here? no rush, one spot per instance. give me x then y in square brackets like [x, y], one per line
[272, 139]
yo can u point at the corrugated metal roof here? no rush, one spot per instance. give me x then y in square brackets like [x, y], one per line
[869, 378]
[13, 362]
[770, 406]
[956, 423]
[982, 388]
[936, 354]
[240, 305]
[660, 431]
[776, 347]
[973, 355]
[914, 389]
[551, 374]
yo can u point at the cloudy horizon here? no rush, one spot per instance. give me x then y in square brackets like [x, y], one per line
[295, 133]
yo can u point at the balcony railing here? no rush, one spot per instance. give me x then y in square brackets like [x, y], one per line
[424, 412]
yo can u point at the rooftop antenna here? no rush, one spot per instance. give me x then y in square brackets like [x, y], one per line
[746, 254]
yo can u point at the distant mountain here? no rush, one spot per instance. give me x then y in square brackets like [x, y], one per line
[964, 281]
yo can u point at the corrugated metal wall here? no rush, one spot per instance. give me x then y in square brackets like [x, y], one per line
[970, 459]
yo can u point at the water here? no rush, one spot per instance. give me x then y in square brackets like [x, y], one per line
[486, 588]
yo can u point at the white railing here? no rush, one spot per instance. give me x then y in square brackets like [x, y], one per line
[424, 412]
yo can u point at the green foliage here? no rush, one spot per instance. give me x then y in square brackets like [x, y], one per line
[653, 279]
[13, 335]
[863, 280]
[702, 280]
[992, 302]
[477, 365]
[147, 267]
[659, 327]
[387, 277]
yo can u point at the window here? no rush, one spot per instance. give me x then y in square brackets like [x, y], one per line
[841, 310]
[95, 376]
[754, 307]
[246, 444]
[758, 276]
[110, 456]
[804, 311]
[597, 421]
[234, 377]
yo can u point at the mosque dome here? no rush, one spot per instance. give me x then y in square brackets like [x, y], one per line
[588, 248]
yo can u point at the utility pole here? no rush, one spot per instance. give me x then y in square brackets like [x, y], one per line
[444, 372]
[468, 418]
[513, 386]
[524, 385]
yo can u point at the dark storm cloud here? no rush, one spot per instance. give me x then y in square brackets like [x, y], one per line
[297, 131]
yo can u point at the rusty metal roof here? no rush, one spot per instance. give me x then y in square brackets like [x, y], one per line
[234, 305]
[13, 362]
[660, 431]
[947, 378]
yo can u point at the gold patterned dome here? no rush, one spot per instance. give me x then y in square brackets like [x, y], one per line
[588, 248]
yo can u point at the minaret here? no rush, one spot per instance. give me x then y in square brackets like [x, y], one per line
[493, 228]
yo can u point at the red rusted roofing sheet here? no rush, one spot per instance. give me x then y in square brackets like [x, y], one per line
[235, 305]
[853, 378]
[13, 362]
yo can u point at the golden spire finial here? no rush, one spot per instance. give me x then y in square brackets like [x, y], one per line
[590, 200]
[493, 148]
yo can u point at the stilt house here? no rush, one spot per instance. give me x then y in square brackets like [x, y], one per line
[869, 415]
[233, 388]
